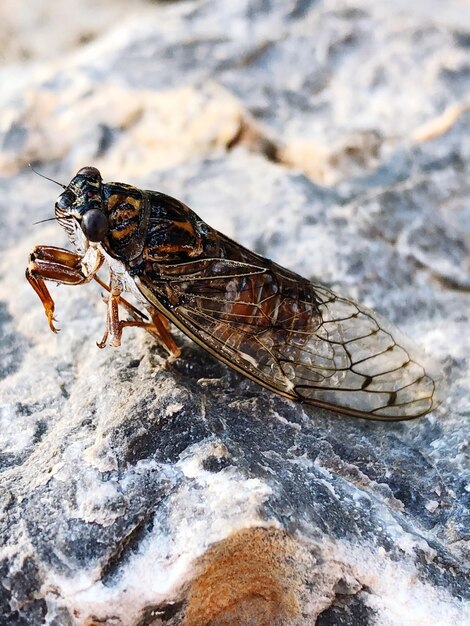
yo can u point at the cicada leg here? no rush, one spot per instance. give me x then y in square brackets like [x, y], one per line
[158, 327]
[60, 266]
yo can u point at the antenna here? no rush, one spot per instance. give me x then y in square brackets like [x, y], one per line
[49, 219]
[47, 178]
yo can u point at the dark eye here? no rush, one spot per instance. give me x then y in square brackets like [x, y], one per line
[94, 225]
[65, 200]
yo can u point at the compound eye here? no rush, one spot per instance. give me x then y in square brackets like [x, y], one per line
[94, 225]
[65, 200]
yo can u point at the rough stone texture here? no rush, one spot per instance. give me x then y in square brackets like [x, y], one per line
[333, 137]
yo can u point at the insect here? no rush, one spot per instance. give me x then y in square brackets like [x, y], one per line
[290, 335]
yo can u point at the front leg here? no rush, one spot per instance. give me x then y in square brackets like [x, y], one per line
[69, 268]
[60, 266]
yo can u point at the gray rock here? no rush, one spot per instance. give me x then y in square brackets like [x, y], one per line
[332, 137]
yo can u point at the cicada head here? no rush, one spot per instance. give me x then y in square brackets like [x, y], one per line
[80, 210]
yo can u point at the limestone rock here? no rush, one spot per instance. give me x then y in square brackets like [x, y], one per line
[332, 137]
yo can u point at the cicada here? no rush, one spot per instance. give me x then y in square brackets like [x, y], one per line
[293, 336]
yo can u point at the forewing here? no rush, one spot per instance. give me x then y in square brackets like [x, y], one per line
[298, 338]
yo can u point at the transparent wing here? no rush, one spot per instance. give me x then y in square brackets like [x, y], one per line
[299, 338]
[356, 359]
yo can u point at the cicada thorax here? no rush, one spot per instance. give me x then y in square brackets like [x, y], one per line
[147, 226]
[128, 213]
[174, 233]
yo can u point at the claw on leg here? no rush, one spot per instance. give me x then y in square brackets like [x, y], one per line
[101, 344]
[40, 288]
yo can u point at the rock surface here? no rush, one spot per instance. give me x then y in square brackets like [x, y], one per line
[332, 137]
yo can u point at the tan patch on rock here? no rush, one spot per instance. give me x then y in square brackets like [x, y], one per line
[252, 578]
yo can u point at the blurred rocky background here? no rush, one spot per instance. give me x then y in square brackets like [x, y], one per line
[330, 135]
